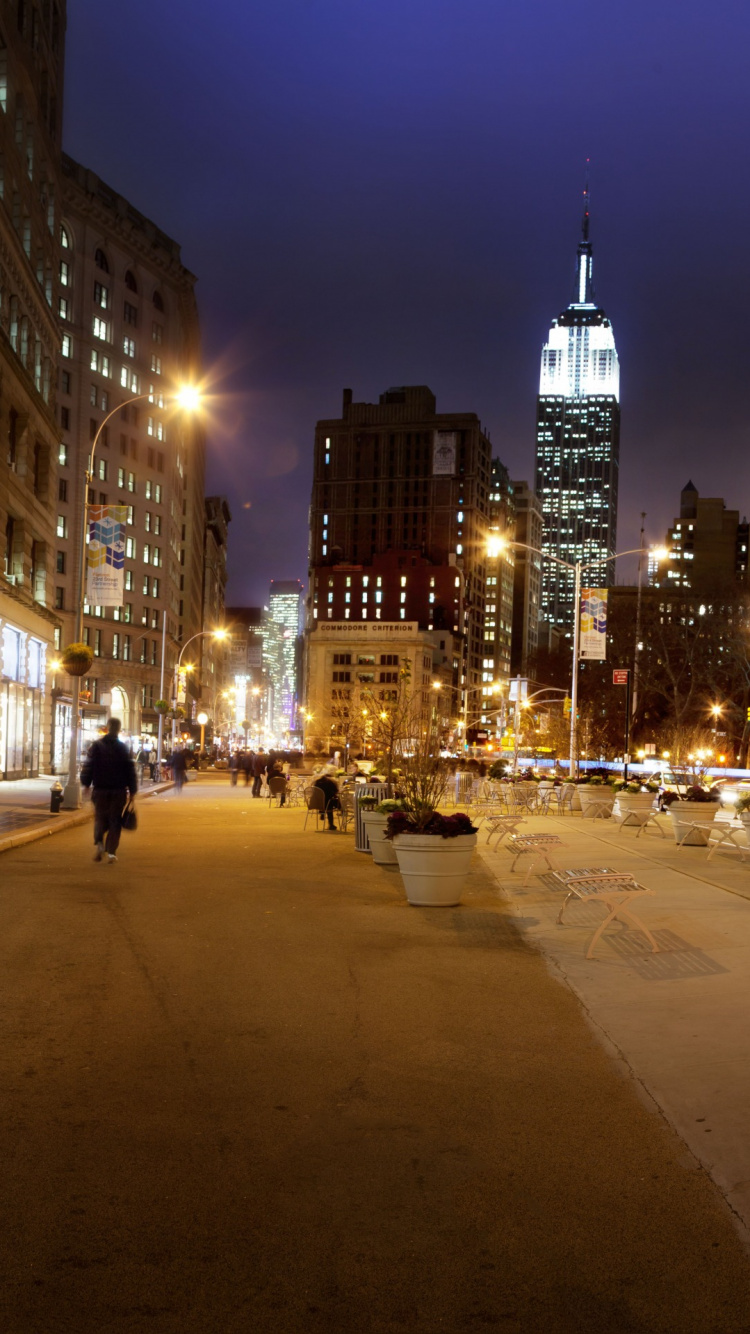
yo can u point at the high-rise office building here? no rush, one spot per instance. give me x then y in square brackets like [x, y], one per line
[281, 652]
[707, 545]
[130, 329]
[32, 495]
[577, 442]
[401, 497]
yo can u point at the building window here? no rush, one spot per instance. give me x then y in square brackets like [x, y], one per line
[100, 260]
[115, 645]
[67, 345]
[100, 329]
[130, 282]
[62, 526]
[130, 548]
[59, 599]
[101, 295]
[97, 643]
[130, 315]
[128, 347]
[157, 332]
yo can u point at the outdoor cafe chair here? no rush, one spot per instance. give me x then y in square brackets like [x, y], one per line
[277, 786]
[315, 802]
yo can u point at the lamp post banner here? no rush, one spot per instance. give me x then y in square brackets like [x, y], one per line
[105, 556]
[593, 646]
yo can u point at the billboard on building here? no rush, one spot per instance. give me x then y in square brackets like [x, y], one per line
[593, 639]
[444, 454]
[105, 556]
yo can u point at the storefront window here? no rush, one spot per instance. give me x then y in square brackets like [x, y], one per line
[34, 663]
[11, 653]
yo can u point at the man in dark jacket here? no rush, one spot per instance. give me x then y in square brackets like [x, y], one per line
[259, 768]
[110, 770]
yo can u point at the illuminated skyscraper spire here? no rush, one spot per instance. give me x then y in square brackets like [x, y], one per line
[578, 434]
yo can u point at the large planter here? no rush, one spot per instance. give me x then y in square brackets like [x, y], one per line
[692, 812]
[382, 849]
[432, 868]
[593, 798]
[625, 802]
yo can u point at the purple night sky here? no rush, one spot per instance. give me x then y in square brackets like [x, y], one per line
[381, 192]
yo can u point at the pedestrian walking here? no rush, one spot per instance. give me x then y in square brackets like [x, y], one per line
[248, 762]
[179, 768]
[110, 771]
[234, 764]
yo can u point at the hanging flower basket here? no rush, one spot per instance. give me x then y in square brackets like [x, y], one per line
[77, 659]
[162, 706]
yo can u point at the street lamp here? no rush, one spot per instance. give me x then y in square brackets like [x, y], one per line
[498, 544]
[217, 634]
[202, 719]
[187, 398]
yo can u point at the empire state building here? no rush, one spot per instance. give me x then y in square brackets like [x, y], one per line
[578, 443]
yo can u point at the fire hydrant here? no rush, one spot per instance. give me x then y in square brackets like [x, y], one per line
[55, 799]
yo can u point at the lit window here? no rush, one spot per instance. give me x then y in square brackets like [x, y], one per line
[67, 345]
[101, 329]
[128, 347]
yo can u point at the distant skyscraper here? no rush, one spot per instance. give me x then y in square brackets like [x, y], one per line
[281, 651]
[578, 442]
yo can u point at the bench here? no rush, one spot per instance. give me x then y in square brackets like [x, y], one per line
[500, 824]
[727, 833]
[537, 846]
[615, 890]
[642, 819]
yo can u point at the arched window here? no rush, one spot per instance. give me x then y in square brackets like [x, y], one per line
[64, 238]
[100, 259]
[130, 282]
[158, 303]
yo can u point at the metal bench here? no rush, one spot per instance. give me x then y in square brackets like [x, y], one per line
[536, 845]
[643, 819]
[615, 890]
[727, 834]
[499, 824]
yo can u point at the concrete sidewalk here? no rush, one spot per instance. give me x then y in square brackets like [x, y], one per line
[247, 1088]
[679, 1018]
[25, 814]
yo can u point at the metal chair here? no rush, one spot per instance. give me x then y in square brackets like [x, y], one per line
[315, 801]
[346, 797]
[277, 787]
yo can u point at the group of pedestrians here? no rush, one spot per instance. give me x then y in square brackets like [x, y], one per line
[257, 765]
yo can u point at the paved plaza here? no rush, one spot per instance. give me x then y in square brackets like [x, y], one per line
[247, 1088]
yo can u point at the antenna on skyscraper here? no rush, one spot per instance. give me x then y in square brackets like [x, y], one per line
[586, 202]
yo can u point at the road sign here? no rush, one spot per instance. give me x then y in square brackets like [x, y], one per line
[620, 678]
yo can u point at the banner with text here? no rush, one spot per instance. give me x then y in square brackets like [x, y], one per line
[444, 454]
[105, 557]
[593, 645]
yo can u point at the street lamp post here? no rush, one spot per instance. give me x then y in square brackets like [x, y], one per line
[578, 568]
[218, 634]
[187, 398]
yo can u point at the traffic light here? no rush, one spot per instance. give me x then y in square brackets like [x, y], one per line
[568, 705]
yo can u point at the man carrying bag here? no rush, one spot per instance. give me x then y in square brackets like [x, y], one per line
[109, 769]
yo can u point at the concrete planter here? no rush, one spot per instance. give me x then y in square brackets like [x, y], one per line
[593, 798]
[432, 868]
[383, 852]
[693, 812]
[625, 802]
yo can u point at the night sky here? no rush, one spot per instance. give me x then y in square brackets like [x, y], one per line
[386, 192]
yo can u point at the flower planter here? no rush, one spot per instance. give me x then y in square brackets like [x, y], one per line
[593, 798]
[692, 812]
[432, 868]
[382, 849]
[625, 802]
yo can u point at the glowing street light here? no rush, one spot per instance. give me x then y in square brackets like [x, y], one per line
[188, 399]
[500, 544]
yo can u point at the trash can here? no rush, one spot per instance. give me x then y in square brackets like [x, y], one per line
[55, 798]
[379, 790]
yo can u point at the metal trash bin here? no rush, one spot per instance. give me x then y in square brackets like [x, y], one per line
[379, 790]
[463, 782]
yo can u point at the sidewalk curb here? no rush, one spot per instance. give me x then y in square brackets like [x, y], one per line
[56, 825]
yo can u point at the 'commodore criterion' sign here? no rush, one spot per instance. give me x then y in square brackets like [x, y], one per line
[367, 629]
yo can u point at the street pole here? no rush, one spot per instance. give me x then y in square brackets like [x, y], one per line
[161, 691]
[627, 730]
[573, 768]
[72, 794]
